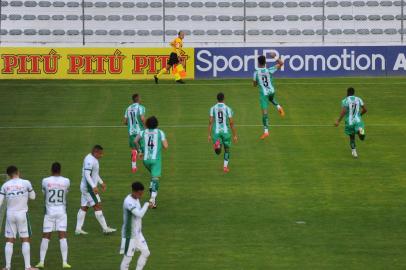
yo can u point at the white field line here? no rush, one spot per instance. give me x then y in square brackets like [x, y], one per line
[182, 126]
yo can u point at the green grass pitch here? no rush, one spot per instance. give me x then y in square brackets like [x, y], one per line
[354, 210]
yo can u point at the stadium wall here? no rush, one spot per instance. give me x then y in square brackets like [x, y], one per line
[203, 62]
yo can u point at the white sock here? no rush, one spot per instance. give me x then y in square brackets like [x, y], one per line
[278, 106]
[133, 164]
[100, 218]
[266, 130]
[154, 194]
[142, 260]
[225, 163]
[43, 249]
[26, 254]
[64, 249]
[8, 250]
[80, 219]
[125, 263]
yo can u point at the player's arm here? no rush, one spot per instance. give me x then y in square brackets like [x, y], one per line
[363, 109]
[101, 182]
[31, 192]
[2, 196]
[233, 129]
[254, 79]
[137, 141]
[342, 114]
[125, 120]
[140, 212]
[210, 127]
[279, 61]
[89, 180]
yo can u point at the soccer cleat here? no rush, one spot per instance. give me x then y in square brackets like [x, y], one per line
[354, 153]
[31, 268]
[79, 232]
[156, 79]
[226, 169]
[66, 265]
[281, 111]
[180, 81]
[40, 265]
[5, 268]
[266, 134]
[109, 230]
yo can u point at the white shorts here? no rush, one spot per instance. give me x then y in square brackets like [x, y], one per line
[130, 245]
[89, 199]
[17, 223]
[55, 223]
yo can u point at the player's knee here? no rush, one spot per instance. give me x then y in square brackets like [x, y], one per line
[25, 240]
[145, 253]
[62, 235]
[46, 235]
[10, 240]
[84, 208]
[97, 207]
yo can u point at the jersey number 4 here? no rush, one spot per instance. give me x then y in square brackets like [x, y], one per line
[56, 195]
[150, 142]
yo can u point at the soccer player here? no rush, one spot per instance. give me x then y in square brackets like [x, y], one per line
[263, 79]
[132, 238]
[90, 191]
[134, 118]
[221, 117]
[174, 60]
[55, 189]
[352, 108]
[17, 192]
[153, 140]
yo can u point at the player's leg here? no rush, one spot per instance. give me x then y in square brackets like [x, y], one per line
[273, 100]
[48, 227]
[127, 248]
[360, 128]
[145, 253]
[98, 212]
[24, 231]
[82, 214]
[264, 102]
[63, 244]
[10, 234]
[134, 153]
[154, 185]
[216, 143]
[227, 145]
[350, 131]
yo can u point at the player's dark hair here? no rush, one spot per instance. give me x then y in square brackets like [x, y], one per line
[137, 186]
[97, 147]
[180, 33]
[220, 97]
[152, 122]
[11, 170]
[350, 91]
[262, 60]
[56, 168]
[136, 98]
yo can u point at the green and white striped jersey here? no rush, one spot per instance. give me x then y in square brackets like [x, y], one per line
[152, 142]
[221, 114]
[264, 79]
[132, 217]
[133, 115]
[353, 106]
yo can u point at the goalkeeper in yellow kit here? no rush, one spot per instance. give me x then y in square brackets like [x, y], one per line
[174, 60]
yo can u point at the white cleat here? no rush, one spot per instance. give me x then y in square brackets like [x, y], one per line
[40, 265]
[79, 232]
[5, 268]
[66, 266]
[109, 230]
[31, 268]
[354, 153]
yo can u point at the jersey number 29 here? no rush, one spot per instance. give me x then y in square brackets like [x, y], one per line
[56, 195]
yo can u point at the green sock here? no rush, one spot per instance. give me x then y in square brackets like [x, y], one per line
[265, 121]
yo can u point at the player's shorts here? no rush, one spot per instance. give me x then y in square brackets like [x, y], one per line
[264, 100]
[353, 129]
[173, 59]
[18, 223]
[225, 138]
[55, 223]
[130, 245]
[89, 199]
[154, 167]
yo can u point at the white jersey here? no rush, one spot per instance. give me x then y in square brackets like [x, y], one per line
[17, 192]
[55, 189]
[132, 217]
[90, 164]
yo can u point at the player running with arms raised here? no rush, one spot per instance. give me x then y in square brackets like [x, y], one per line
[263, 79]
[134, 118]
[352, 108]
[132, 238]
[55, 189]
[220, 124]
[90, 191]
[17, 192]
[152, 140]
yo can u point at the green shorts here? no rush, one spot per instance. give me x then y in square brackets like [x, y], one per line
[353, 129]
[154, 167]
[225, 138]
[264, 100]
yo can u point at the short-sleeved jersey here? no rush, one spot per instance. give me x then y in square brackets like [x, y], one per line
[132, 225]
[152, 141]
[352, 105]
[90, 163]
[221, 114]
[16, 192]
[177, 45]
[264, 79]
[133, 115]
[55, 189]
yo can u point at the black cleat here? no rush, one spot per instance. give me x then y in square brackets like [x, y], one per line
[156, 79]
[180, 81]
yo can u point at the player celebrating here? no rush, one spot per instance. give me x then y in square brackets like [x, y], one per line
[55, 189]
[174, 60]
[352, 108]
[222, 117]
[152, 139]
[17, 191]
[90, 191]
[134, 118]
[132, 238]
[263, 79]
